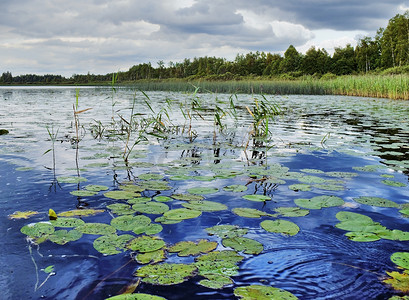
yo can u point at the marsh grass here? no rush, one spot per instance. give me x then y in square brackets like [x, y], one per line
[380, 86]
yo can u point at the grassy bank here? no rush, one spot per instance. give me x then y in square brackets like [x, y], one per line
[380, 86]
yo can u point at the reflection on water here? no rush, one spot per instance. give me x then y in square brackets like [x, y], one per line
[314, 136]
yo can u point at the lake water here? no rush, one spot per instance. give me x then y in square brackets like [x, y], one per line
[345, 147]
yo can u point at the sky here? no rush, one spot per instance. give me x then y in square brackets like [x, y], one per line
[100, 36]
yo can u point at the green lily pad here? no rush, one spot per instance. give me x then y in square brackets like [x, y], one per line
[404, 212]
[393, 183]
[166, 274]
[129, 222]
[399, 281]
[187, 248]
[162, 198]
[329, 187]
[139, 200]
[257, 198]
[351, 216]
[262, 292]
[132, 188]
[150, 176]
[218, 262]
[112, 244]
[242, 244]
[120, 209]
[96, 228]
[401, 259]
[311, 179]
[22, 214]
[187, 197]
[182, 214]
[83, 193]
[37, 230]
[312, 171]
[226, 231]
[360, 226]
[71, 179]
[342, 174]
[121, 195]
[81, 212]
[280, 226]
[146, 244]
[155, 208]
[216, 281]
[24, 168]
[369, 168]
[180, 177]
[362, 236]
[319, 202]
[236, 188]
[394, 235]
[155, 185]
[96, 188]
[292, 211]
[137, 296]
[300, 187]
[152, 257]
[376, 201]
[62, 237]
[204, 205]
[67, 222]
[203, 178]
[165, 221]
[202, 190]
[249, 212]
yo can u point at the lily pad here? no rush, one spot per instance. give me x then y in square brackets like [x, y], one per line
[376, 201]
[319, 202]
[23, 214]
[96, 228]
[129, 222]
[226, 231]
[67, 222]
[219, 262]
[202, 190]
[121, 195]
[155, 208]
[162, 198]
[216, 281]
[112, 244]
[393, 183]
[204, 205]
[121, 209]
[62, 237]
[280, 226]
[342, 174]
[187, 248]
[139, 200]
[311, 179]
[136, 296]
[362, 236]
[236, 188]
[38, 229]
[261, 292]
[96, 188]
[257, 198]
[401, 259]
[300, 187]
[132, 188]
[329, 187]
[152, 257]
[165, 221]
[292, 211]
[71, 179]
[245, 245]
[146, 244]
[182, 214]
[351, 216]
[187, 197]
[83, 193]
[249, 212]
[399, 281]
[155, 185]
[81, 212]
[394, 235]
[166, 274]
[150, 176]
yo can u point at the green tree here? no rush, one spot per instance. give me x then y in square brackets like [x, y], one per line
[6, 77]
[292, 60]
[343, 61]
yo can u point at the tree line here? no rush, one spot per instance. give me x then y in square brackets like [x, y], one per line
[387, 50]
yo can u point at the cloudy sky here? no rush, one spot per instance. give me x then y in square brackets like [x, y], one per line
[101, 36]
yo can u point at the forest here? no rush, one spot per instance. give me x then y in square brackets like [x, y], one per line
[385, 53]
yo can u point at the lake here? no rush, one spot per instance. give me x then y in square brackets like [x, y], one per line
[204, 196]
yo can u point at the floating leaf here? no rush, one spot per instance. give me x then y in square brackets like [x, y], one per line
[226, 231]
[311, 179]
[187, 248]
[399, 281]
[280, 226]
[71, 179]
[62, 237]
[300, 187]
[145, 244]
[81, 212]
[162, 199]
[219, 262]
[149, 229]
[236, 188]
[342, 174]
[329, 187]
[132, 188]
[319, 202]
[362, 236]
[369, 168]
[204, 205]
[393, 183]
[154, 185]
[96, 188]
[165, 221]
[203, 178]
[67, 222]
[150, 176]
[137, 296]
[181, 214]
[249, 212]
[395, 235]
[261, 292]
[38, 229]
[96, 228]
[152, 257]
[312, 171]
[292, 211]
[112, 244]
[202, 190]
[361, 226]
[258, 198]
[139, 200]
[376, 201]
[242, 244]
[221, 256]
[129, 222]
[166, 274]
[351, 216]
[121, 195]
[187, 197]
[121, 209]
[22, 214]
[155, 208]
[83, 193]
[215, 281]
[49, 269]
[401, 259]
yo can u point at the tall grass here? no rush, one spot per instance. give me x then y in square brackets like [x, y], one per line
[380, 86]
